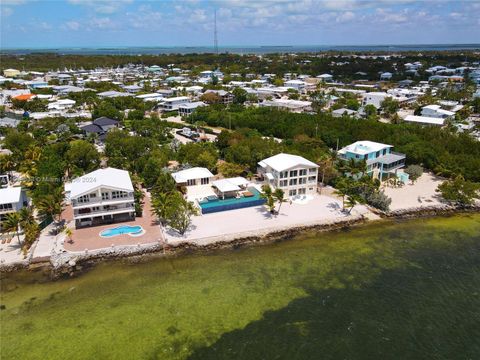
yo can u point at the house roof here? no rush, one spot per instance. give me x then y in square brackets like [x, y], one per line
[10, 195]
[24, 97]
[9, 122]
[281, 162]
[224, 185]
[425, 120]
[104, 121]
[109, 177]
[190, 174]
[92, 128]
[364, 147]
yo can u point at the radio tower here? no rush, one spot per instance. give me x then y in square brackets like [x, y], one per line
[215, 39]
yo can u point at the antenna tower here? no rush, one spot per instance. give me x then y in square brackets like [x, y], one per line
[215, 38]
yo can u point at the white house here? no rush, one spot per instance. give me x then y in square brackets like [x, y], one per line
[173, 103]
[102, 196]
[193, 176]
[325, 77]
[62, 104]
[425, 120]
[386, 76]
[374, 98]
[188, 108]
[12, 199]
[436, 111]
[293, 174]
[298, 85]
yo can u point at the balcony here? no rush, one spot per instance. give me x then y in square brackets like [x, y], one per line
[96, 202]
[87, 212]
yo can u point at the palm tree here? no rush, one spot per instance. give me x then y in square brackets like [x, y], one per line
[69, 234]
[26, 217]
[268, 195]
[50, 207]
[342, 189]
[161, 206]
[12, 224]
[279, 195]
[353, 200]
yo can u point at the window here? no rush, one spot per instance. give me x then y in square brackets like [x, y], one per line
[205, 181]
[83, 199]
[119, 194]
[302, 181]
[303, 172]
[312, 178]
[365, 156]
[93, 195]
[283, 183]
[377, 154]
[283, 174]
[105, 196]
[302, 191]
[292, 193]
[293, 173]
[6, 207]
[384, 151]
[293, 182]
[312, 171]
[191, 182]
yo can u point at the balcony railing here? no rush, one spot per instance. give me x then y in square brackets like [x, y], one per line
[111, 209]
[97, 202]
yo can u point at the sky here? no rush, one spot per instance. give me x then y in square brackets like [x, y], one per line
[97, 23]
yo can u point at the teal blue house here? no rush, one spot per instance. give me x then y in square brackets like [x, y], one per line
[382, 162]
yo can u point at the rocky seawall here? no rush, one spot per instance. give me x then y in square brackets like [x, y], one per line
[72, 263]
[69, 264]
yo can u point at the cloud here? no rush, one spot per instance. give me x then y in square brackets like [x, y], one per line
[345, 17]
[13, 2]
[72, 25]
[6, 11]
[102, 6]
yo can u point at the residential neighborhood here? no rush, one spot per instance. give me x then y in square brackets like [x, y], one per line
[170, 139]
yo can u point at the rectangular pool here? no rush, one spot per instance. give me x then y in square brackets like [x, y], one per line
[211, 206]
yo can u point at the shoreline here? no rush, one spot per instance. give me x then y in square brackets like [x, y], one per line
[75, 263]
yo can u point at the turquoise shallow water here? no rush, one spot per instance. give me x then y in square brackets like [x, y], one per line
[392, 290]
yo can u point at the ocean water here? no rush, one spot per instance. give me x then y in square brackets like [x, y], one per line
[390, 290]
[158, 50]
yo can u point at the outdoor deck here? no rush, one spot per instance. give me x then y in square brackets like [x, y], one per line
[89, 238]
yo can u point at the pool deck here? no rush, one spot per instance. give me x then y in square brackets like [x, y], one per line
[257, 220]
[89, 237]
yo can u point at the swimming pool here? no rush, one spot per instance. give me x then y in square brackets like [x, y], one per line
[136, 230]
[215, 205]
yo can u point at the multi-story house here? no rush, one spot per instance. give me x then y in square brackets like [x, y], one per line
[12, 199]
[102, 196]
[436, 111]
[293, 174]
[173, 103]
[381, 161]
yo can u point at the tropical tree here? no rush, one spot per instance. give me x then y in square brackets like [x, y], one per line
[26, 216]
[11, 223]
[267, 194]
[414, 172]
[162, 206]
[460, 191]
[69, 233]
[343, 189]
[279, 196]
[50, 206]
[180, 216]
[352, 200]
